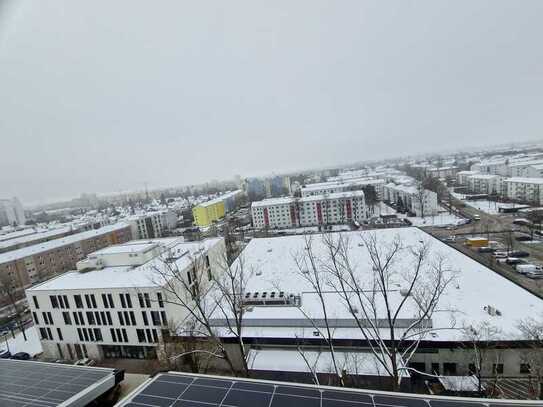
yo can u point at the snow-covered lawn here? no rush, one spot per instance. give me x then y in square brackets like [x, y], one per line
[484, 205]
[443, 218]
[32, 346]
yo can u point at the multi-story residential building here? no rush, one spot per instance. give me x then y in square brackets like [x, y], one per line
[115, 305]
[35, 236]
[462, 177]
[208, 212]
[528, 190]
[485, 184]
[30, 265]
[417, 201]
[150, 225]
[354, 184]
[311, 210]
[526, 169]
[442, 172]
[11, 212]
[495, 166]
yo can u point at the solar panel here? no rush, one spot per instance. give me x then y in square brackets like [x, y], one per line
[38, 384]
[188, 390]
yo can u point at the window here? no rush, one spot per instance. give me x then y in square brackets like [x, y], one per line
[147, 300]
[140, 299]
[123, 303]
[497, 368]
[98, 335]
[66, 316]
[160, 300]
[449, 369]
[163, 317]
[66, 302]
[525, 368]
[108, 315]
[141, 335]
[78, 302]
[435, 368]
[128, 301]
[59, 332]
[35, 317]
[120, 316]
[87, 301]
[111, 303]
[144, 316]
[47, 318]
[90, 318]
[155, 318]
[54, 302]
[85, 334]
[155, 336]
[149, 337]
[113, 336]
[105, 301]
[132, 318]
[36, 304]
[45, 334]
[472, 369]
[93, 301]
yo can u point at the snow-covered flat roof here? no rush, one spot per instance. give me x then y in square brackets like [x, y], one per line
[221, 198]
[285, 360]
[461, 305]
[467, 172]
[484, 176]
[525, 180]
[55, 244]
[37, 235]
[348, 182]
[134, 246]
[311, 198]
[146, 275]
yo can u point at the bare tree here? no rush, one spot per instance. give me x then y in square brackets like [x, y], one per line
[190, 293]
[420, 198]
[377, 306]
[229, 285]
[532, 331]
[8, 288]
[480, 339]
[316, 276]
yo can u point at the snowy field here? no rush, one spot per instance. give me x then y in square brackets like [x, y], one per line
[32, 346]
[443, 218]
[484, 205]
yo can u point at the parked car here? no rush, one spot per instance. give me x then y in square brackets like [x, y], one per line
[21, 356]
[523, 238]
[476, 217]
[519, 253]
[513, 260]
[534, 274]
[500, 254]
[450, 239]
[5, 354]
[485, 249]
[529, 268]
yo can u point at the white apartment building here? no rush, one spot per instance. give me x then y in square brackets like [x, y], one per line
[150, 225]
[442, 172]
[529, 190]
[497, 167]
[313, 210]
[485, 184]
[526, 169]
[332, 187]
[11, 212]
[115, 305]
[462, 177]
[408, 197]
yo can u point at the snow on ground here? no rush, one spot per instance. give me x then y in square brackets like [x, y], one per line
[443, 218]
[484, 205]
[32, 346]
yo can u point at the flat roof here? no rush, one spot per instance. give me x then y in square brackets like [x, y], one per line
[525, 180]
[39, 384]
[188, 389]
[464, 300]
[310, 198]
[56, 243]
[147, 275]
[485, 176]
[37, 235]
[221, 198]
[134, 246]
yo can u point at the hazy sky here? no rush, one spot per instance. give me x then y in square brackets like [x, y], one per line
[106, 95]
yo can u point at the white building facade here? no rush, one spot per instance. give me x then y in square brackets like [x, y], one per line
[116, 305]
[313, 210]
[528, 190]
[11, 212]
[421, 203]
[485, 184]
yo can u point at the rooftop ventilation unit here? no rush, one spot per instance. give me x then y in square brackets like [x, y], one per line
[271, 298]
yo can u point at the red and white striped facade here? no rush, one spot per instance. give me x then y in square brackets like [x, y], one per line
[326, 209]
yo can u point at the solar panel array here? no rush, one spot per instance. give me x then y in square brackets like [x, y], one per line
[34, 384]
[178, 390]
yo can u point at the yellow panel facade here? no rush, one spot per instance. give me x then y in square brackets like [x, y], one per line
[205, 215]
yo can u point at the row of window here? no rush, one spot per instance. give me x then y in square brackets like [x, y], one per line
[147, 335]
[450, 369]
[61, 301]
[90, 334]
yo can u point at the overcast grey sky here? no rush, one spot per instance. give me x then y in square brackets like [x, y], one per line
[106, 95]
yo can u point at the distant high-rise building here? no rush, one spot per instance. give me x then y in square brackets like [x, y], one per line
[11, 212]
